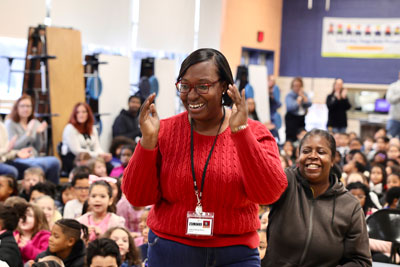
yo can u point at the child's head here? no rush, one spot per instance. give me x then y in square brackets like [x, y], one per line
[356, 177]
[126, 245]
[80, 183]
[103, 252]
[392, 196]
[378, 174]
[115, 184]
[98, 167]
[393, 180]
[32, 176]
[64, 234]
[126, 154]
[360, 191]
[284, 162]
[393, 152]
[41, 189]
[100, 197]
[11, 214]
[34, 221]
[49, 261]
[82, 159]
[117, 143]
[8, 186]
[262, 247]
[264, 220]
[67, 193]
[48, 206]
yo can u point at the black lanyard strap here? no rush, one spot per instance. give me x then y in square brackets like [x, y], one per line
[196, 190]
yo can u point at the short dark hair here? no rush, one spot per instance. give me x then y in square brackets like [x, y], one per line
[102, 247]
[324, 134]
[46, 188]
[223, 70]
[392, 193]
[73, 228]
[12, 182]
[368, 202]
[134, 96]
[81, 172]
[10, 215]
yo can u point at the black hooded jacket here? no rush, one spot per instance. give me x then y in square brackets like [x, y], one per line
[75, 259]
[9, 251]
[328, 230]
[126, 124]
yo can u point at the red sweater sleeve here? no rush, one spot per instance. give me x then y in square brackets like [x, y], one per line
[140, 182]
[263, 177]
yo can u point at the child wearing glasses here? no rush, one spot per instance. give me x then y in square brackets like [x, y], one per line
[80, 184]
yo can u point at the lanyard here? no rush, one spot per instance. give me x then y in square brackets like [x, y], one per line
[196, 190]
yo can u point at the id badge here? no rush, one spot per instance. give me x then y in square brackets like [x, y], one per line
[200, 224]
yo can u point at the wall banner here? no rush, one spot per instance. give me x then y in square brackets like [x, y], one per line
[361, 38]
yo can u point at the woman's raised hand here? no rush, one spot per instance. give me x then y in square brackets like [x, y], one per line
[239, 114]
[149, 123]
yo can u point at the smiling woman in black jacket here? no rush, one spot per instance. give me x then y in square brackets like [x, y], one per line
[316, 222]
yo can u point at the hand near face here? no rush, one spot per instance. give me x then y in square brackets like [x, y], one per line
[42, 127]
[149, 123]
[344, 93]
[239, 114]
[25, 153]
[94, 229]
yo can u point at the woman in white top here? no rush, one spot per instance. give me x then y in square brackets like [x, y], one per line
[28, 134]
[80, 134]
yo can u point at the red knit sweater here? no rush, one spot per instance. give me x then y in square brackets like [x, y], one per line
[244, 170]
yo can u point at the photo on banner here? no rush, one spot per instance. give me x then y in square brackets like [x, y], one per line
[361, 37]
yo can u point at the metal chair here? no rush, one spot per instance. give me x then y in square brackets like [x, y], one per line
[385, 225]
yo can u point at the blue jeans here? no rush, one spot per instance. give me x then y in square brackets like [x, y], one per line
[8, 169]
[393, 128]
[165, 253]
[50, 165]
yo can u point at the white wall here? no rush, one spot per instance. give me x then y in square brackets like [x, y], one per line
[166, 25]
[115, 94]
[17, 15]
[258, 80]
[210, 24]
[101, 22]
[164, 70]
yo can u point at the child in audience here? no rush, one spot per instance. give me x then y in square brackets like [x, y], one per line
[65, 242]
[103, 252]
[264, 220]
[8, 186]
[82, 159]
[131, 215]
[9, 218]
[98, 167]
[47, 204]
[32, 176]
[100, 219]
[361, 192]
[262, 247]
[392, 198]
[33, 233]
[80, 183]
[130, 256]
[42, 189]
[115, 184]
[393, 180]
[66, 194]
[49, 261]
[377, 179]
[125, 156]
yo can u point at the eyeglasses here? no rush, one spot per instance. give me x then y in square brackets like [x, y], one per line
[24, 106]
[81, 188]
[200, 88]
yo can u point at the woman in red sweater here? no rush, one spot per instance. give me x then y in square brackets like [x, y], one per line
[205, 170]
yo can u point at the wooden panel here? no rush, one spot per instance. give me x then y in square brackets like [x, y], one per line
[66, 82]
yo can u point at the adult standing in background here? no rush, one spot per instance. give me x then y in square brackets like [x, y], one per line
[198, 169]
[80, 134]
[338, 104]
[29, 135]
[127, 122]
[242, 81]
[297, 103]
[393, 96]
